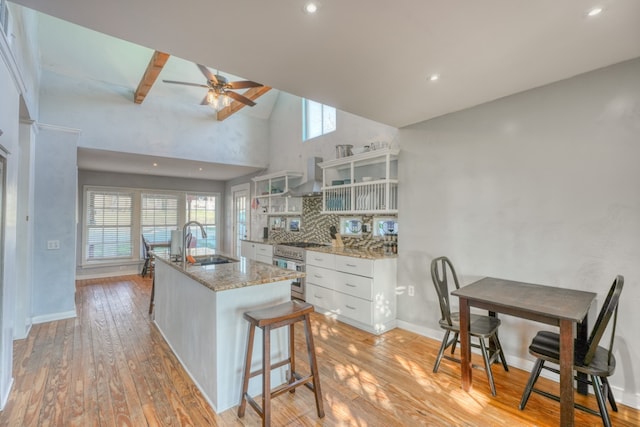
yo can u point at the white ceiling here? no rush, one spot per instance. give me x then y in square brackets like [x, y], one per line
[371, 58]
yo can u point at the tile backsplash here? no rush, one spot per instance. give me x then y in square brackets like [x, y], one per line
[315, 227]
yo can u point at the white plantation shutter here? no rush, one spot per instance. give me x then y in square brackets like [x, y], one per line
[202, 208]
[159, 215]
[108, 225]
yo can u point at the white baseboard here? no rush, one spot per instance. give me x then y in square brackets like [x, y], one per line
[127, 272]
[628, 399]
[54, 316]
[26, 332]
[5, 395]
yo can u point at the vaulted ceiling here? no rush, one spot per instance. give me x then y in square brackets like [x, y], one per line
[374, 58]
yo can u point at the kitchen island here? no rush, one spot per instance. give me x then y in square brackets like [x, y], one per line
[199, 311]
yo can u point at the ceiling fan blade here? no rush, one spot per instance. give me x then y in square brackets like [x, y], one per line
[240, 98]
[186, 84]
[244, 84]
[208, 74]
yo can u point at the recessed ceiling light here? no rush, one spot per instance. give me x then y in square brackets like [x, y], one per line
[155, 164]
[434, 77]
[310, 7]
[199, 169]
[595, 11]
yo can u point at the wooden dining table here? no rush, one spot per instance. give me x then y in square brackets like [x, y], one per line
[551, 305]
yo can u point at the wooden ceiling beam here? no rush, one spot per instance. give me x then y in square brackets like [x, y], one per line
[253, 94]
[158, 59]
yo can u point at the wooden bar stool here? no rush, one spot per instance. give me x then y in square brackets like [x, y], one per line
[285, 314]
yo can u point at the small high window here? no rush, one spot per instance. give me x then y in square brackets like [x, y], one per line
[317, 119]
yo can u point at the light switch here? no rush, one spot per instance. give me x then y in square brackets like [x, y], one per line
[53, 244]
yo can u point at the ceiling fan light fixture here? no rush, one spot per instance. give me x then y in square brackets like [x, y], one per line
[210, 97]
[219, 101]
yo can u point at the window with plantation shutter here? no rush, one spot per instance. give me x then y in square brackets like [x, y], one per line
[159, 215]
[108, 225]
[202, 208]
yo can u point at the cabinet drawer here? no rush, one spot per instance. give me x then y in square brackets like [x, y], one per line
[319, 296]
[360, 266]
[321, 276]
[264, 250]
[267, 259]
[354, 308]
[352, 284]
[321, 259]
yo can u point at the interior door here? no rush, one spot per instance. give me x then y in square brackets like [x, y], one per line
[241, 212]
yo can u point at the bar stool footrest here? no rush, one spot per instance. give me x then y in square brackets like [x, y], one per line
[273, 366]
[254, 404]
[308, 378]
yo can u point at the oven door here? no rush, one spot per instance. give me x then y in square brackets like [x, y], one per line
[297, 285]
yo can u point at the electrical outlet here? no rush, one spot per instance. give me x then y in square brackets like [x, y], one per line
[411, 290]
[53, 244]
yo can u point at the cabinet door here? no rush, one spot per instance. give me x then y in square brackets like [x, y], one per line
[247, 249]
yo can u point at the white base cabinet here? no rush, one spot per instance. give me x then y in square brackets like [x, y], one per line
[262, 252]
[359, 291]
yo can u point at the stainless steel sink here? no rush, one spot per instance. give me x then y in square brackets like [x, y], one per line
[213, 259]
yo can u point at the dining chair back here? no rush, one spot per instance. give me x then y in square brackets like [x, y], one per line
[481, 327]
[609, 308]
[597, 362]
[146, 254]
[442, 271]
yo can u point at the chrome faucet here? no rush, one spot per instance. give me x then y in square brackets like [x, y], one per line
[184, 240]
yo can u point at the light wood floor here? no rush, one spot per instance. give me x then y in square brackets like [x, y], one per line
[110, 366]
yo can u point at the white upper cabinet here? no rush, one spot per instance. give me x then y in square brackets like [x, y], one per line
[362, 183]
[271, 193]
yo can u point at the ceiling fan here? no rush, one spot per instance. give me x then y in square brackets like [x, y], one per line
[220, 87]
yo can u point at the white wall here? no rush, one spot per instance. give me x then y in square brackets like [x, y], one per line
[9, 142]
[54, 220]
[109, 120]
[25, 51]
[287, 151]
[540, 187]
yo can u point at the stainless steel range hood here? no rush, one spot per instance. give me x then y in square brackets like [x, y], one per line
[313, 185]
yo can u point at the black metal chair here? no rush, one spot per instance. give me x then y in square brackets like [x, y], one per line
[595, 361]
[148, 266]
[481, 327]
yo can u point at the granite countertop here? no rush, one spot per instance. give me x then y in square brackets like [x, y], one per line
[264, 241]
[234, 275]
[353, 252]
[346, 251]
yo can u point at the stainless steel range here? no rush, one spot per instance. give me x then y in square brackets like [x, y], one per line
[292, 255]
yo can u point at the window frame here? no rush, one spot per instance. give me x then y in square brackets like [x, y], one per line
[158, 195]
[205, 224]
[323, 111]
[86, 226]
